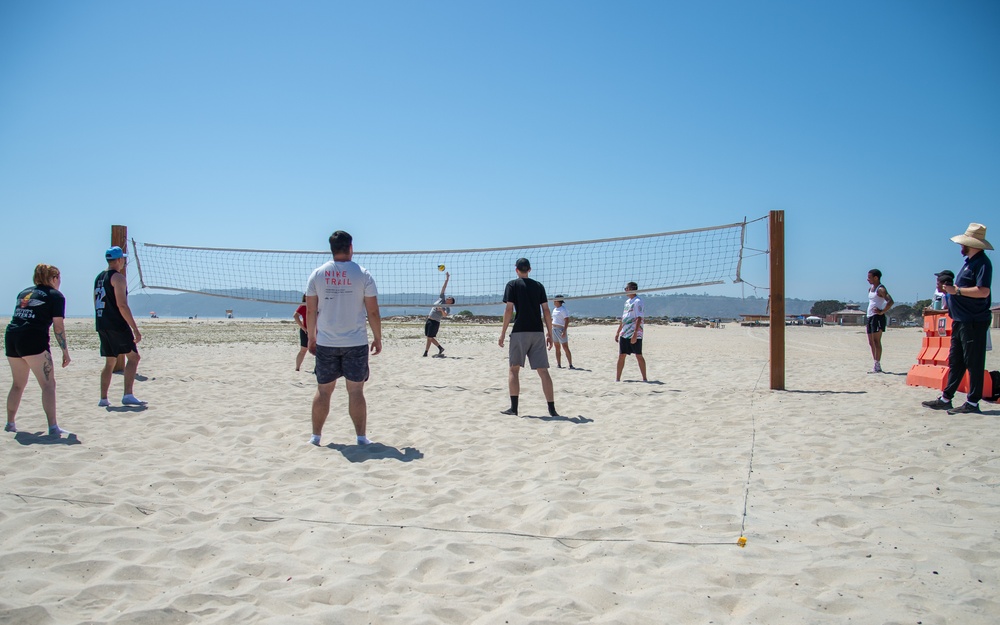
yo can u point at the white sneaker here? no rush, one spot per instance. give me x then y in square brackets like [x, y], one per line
[132, 400]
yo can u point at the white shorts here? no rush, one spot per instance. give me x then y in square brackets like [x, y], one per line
[559, 335]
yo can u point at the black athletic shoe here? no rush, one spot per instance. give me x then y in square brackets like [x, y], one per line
[509, 411]
[966, 408]
[425, 354]
[938, 404]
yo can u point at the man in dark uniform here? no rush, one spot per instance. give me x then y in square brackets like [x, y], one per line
[116, 326]
[531, 336]
[969, 308]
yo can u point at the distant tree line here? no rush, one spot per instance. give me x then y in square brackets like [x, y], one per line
[826, 307]
[900, 312]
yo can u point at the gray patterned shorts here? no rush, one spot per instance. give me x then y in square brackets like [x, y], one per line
[347, 362]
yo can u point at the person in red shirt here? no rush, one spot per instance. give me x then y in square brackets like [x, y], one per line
[300, 318]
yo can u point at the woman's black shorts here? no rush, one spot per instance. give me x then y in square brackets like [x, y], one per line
[21, 344]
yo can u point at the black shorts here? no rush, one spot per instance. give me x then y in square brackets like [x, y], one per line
[21, 344]
[875, 323]
[625, 346]
[335, 362]
[431, 328]
[114, 343]
[303, 338]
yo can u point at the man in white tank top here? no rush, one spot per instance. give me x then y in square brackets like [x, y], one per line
[879, 301]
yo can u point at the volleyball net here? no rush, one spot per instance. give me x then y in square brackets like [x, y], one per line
[579, 270]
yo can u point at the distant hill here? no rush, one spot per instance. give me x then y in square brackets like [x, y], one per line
[673, 305]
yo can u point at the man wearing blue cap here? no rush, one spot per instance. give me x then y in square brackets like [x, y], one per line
[116, 326]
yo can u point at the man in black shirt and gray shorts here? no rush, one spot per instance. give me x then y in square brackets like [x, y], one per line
[116, 326]
[531, 336]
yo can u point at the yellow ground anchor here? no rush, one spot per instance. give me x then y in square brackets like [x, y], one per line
[742, 542]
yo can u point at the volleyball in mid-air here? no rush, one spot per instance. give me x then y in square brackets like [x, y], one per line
[440, 267]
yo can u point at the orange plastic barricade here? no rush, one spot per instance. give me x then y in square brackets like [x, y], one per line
[940, 357]
[987, 384]
[931, 376]
[931, 369]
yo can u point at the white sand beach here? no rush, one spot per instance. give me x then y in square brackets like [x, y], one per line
[208, 506]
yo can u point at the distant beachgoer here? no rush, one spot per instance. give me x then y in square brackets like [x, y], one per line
[969, 307]
[300, 319]
[116, 327]
[879, 302]
[433, 323]
[340, 296]
[26, 343]
[944, 278]
[531, 335]
[560, 326]
[630, 330]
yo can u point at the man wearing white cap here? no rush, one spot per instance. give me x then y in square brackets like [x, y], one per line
[969, 308]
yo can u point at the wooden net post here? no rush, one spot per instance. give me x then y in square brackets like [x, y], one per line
[776, 229]
[119, 237]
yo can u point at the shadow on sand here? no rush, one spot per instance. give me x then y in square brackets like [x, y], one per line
[126, 408]
[577, 419]
[43, 438]
[376, 451]
[791, 390]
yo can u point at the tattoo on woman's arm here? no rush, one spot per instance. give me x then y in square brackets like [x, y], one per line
[61, 339]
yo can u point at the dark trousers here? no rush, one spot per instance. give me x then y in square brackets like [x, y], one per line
[968, 353]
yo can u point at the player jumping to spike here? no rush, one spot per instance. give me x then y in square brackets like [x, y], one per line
[439, 312]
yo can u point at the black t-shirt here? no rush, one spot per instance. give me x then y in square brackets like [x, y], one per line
[106, 303]
[35, 309]
[527, 296]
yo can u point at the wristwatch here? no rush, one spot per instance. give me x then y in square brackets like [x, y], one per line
[958, 290]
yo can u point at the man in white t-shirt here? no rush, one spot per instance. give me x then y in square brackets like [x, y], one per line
[629, 332]
[340, 296]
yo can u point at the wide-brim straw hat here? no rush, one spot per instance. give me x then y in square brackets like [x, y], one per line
[975, 237]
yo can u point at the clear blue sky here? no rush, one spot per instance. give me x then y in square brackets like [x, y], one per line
[875, 126]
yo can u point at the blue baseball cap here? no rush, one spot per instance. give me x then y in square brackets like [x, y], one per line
[114, 253]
